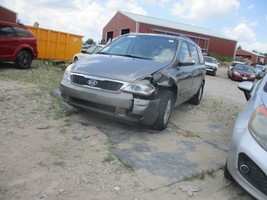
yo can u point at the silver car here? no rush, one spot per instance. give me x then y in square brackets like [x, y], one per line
[87, 52]
[211, 64]
[138, 78]
[247, 156]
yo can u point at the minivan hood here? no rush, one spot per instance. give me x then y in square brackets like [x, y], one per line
[117, 67]
[211, 64]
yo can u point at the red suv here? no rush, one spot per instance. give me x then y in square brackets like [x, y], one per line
[18, 44]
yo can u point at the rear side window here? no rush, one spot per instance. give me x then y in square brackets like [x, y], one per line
[22, 32]
[6, 31]
[189, 53]
[194, 53]
[184, 54]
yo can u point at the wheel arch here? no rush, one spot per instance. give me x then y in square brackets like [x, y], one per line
[172, 88]
[24, 48]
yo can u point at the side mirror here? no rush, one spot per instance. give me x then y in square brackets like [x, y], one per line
[246, 87]
[186, 62]
[83, 51]
[260, 75]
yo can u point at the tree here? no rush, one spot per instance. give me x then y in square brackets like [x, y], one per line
[239, 47]
[255, 51]
[90, 41]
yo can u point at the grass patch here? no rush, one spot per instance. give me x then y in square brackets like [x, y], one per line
[128, 168]
[109, 158]
[190, 134]
[111, 144]
[2, 96]
[202, 175]
[41, 73]
[46, 77]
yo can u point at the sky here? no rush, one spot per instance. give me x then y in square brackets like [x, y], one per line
[242, 20]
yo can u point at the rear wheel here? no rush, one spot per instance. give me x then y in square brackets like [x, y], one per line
[24, 60]
[165, 109]
[196, 99]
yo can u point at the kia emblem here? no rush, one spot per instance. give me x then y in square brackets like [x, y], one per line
[92, 83]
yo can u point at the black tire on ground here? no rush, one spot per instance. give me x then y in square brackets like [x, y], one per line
[227, 174]
[75, 59]
[214, 72]
[196, 99]
[165, 109]
[24, 60]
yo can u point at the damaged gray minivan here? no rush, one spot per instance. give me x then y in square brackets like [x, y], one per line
[138, 78]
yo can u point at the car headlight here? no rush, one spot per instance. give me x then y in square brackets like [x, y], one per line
[140, 88]
[237, 73]
[67, 73]
[258, 126]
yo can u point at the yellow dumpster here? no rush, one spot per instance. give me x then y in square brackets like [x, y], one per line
[56, 45]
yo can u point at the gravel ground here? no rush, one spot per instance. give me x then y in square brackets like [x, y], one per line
[49, 155]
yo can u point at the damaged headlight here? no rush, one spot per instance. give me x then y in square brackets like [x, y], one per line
[67, 73]
[258, 125]
[140, 88]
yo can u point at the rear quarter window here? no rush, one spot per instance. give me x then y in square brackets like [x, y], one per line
[22, 32]
[194, 53]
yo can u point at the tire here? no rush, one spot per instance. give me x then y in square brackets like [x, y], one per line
[164, 110]
[226, 173]
[214, 72]
[24, 60]
[75, 59]
[196, 99]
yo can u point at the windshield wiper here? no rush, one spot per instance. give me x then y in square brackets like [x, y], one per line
[139, 57]
[104, 53]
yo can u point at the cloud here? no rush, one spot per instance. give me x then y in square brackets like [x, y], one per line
[241, 32]
[160, 3]
[246, 37]
[204, 10]
[82, 17]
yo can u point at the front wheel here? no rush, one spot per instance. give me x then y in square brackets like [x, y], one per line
[164, 110]
[196, 99]
[226, 173]
[214, 72]
[24, 60]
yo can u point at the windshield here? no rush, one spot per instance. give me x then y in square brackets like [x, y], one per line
[210, 60]
[259, 67]
[243, 68]
[151, 47]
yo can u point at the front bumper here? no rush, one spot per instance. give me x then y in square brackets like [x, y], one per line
[117, 104]
[211, 69]
[246, 152]
[242, 78]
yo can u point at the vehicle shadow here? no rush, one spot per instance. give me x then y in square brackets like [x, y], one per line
[7, 65]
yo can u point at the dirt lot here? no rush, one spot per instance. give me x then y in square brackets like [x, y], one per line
[49, 150]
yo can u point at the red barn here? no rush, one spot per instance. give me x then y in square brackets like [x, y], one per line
[8, 15]
[255, 58]
[209, 41]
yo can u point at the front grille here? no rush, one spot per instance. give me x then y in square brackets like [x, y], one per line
[255, 176]
[93, 105]
[102, 84]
